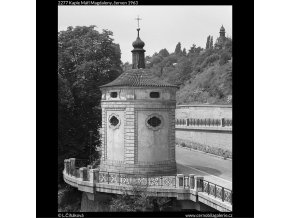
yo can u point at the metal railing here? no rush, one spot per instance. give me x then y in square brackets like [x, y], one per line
[215, 190]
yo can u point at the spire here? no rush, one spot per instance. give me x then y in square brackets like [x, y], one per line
[222, 31]
[138, 58]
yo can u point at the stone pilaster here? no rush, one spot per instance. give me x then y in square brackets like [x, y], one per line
[198, 183]
[130, 153]
[192, 181]
[180, 181]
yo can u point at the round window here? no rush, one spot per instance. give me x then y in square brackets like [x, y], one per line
[154, 122]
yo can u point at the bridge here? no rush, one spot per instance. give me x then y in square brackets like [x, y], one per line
[192, 191]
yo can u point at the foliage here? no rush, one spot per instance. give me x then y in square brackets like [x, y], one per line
[86, 60]
[194, 50]
[69, 199]
[203, 75]
[184, 52]
[164, 53]
[137, 200]
[209, 42]
[225, 56]
[178, 48]
[206, 148]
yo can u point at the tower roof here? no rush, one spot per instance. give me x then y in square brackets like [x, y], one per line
[222, 29]
[138, 78]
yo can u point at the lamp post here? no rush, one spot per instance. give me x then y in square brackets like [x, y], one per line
[91, 136]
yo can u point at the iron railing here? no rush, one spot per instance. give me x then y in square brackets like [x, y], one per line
[215, 190]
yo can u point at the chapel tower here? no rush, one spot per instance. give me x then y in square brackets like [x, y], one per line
[138, 121]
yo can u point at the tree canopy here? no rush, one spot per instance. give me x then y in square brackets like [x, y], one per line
[87, 59]
[203, 75]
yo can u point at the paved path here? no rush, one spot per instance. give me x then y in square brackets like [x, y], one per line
[214, 169]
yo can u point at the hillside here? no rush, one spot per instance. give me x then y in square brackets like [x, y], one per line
[203, 75]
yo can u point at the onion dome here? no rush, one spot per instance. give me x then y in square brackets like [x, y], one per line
[222, 29]
[138, 43]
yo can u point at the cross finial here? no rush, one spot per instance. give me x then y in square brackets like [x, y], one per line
[138, 20]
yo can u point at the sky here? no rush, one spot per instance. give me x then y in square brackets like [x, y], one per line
[161, 26]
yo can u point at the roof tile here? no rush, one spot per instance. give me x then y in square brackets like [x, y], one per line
[137, 78]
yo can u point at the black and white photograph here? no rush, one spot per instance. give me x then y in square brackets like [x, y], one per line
[145, 108]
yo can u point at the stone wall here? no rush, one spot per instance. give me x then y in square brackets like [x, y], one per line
[204, 111]
[211, 138]
[214, 137]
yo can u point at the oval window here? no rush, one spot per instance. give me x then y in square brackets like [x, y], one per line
[154, 122]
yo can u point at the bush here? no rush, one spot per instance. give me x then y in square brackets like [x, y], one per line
[210, 60]
[225, 56]
[69, 199]
[208, 149]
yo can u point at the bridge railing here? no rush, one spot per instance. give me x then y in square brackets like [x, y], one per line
[131, 179]
[215, 190]
[180, 181]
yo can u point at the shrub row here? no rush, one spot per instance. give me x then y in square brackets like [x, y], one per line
[206, 148]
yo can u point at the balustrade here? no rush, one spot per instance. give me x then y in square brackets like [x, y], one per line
[179, 181]
[206, 122]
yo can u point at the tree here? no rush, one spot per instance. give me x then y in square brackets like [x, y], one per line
[211, 42]
[137, 200]
[164, 53]
[225, 57]
[207, 43]
[86, 60]
[184, 69]
[178, 48]
[228, 45]
[192, 49]
[184, 52]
